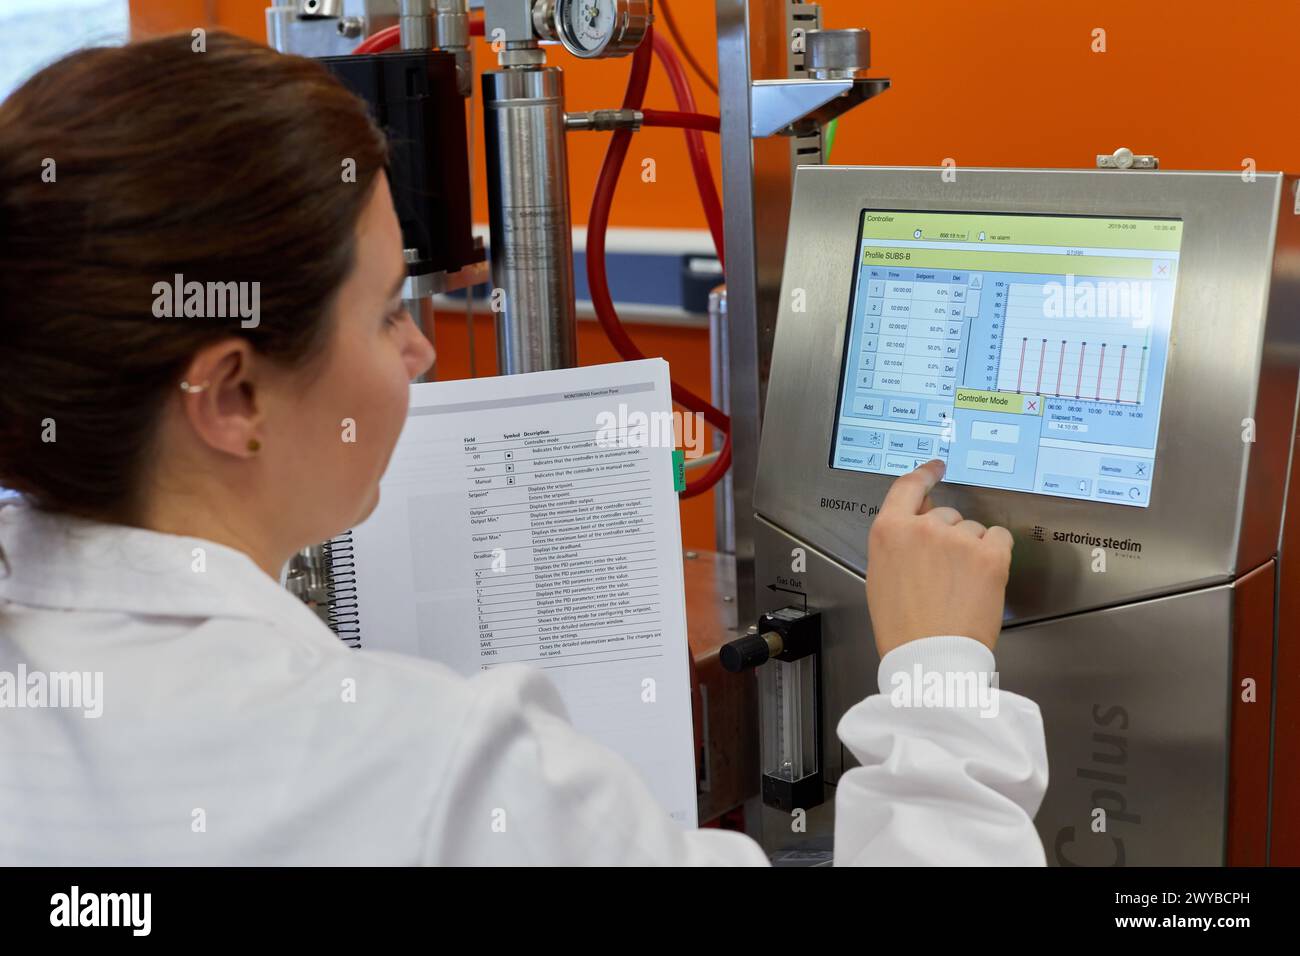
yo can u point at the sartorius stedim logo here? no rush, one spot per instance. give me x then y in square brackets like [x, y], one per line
[1124, 546]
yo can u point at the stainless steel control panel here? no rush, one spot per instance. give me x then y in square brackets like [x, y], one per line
[1225, 379]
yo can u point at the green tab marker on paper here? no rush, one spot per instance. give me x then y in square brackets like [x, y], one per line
[679, 469]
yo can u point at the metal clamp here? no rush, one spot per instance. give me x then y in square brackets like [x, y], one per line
[1124, 158]
[601, 120]
[521, 56]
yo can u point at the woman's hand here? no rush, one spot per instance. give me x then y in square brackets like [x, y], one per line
[929, 571]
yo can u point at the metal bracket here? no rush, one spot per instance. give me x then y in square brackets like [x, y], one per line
[797, 107]
[436, 283]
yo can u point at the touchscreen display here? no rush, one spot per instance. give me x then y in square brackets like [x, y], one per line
[1027, 351]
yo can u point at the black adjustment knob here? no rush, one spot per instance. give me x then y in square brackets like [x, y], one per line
[748, 651]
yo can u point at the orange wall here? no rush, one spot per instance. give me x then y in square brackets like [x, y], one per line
[1201, 83]
[1009, 83]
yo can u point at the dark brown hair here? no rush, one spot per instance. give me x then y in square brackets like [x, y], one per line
[223, 166]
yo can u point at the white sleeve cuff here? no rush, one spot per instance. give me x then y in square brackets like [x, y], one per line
[947, 653]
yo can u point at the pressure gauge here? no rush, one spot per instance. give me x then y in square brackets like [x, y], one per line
[595, 28]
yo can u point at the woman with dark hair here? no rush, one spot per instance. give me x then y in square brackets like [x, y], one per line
[168, 701]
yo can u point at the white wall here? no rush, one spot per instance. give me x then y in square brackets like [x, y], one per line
[34, 33]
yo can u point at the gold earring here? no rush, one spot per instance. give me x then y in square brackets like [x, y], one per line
[254, 445]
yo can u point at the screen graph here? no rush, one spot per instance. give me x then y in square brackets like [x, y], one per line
[1099, 359]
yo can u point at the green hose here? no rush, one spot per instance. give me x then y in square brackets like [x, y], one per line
[830, 138]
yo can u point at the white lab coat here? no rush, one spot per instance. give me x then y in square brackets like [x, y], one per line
[236, 729]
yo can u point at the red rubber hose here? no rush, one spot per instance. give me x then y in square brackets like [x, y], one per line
[672, 65]
[378, 42]
[673, 118]
[598, 280]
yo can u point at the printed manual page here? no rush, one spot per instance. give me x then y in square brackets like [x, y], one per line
[533, 520]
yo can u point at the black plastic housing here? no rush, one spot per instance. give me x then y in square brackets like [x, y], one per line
[414, 97]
